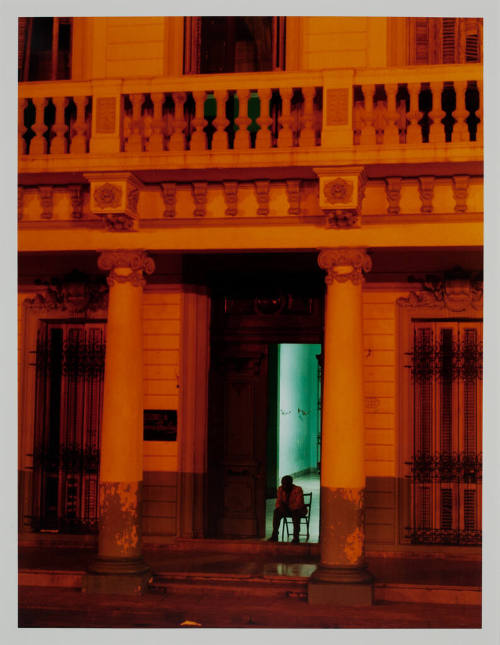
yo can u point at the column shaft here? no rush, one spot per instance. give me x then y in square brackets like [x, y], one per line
[119, 566]
[341, 577]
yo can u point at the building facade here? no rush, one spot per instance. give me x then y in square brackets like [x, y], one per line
[195, 193]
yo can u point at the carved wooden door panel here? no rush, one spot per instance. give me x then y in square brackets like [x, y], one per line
[238, 441]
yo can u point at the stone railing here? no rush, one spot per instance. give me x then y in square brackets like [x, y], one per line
[438, 104]
[336, 109]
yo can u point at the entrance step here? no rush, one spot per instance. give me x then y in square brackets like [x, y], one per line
[240, 546]
[237, 585]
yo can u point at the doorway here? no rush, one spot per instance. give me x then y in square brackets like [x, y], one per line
[294, 424]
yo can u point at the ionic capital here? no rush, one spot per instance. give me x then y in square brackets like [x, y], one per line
[343, 265]
[126, 266]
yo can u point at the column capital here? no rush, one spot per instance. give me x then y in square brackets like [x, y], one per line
[136, 261]
[336, 261]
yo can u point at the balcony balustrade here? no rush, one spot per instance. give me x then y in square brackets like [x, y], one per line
[375, 109]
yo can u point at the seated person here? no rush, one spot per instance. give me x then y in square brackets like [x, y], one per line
[289, 503]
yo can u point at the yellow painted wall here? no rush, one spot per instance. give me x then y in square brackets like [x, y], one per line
[161, 316]
[146, 47]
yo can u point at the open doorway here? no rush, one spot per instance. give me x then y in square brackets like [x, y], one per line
[294, 425]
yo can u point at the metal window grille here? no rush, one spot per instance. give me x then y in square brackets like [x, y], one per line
[69, 384]
[445, 467]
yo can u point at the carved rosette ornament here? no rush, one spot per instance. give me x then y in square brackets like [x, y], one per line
[126, 266]
[343, 265]
[341, 192]
[115, 196]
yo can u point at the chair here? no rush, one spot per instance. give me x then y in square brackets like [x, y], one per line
[304, 520]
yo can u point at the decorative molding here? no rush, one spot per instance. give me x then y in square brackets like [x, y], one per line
[200, 198]
[262, 194]
[20, 195]
[231, 197]
[115, 196]
[75, 292]
[426, 192]
[357, 260]
[293, 193]
[393, 192]
[46, 199]
[136, 261]
[341, 192]
[76, 196]
[105, 115]
[169, 190]
[337, 106]
[341, 219]
[456, 290]
[460, 192]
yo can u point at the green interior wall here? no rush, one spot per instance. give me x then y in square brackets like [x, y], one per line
[297, 408]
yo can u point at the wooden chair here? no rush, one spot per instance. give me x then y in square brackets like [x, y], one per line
[304, 521]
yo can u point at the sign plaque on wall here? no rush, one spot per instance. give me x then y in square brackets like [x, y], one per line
[160, 425]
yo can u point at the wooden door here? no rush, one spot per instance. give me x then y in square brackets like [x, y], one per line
[237, 440]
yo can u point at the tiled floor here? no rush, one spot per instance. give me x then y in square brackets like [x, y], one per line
[309, 484]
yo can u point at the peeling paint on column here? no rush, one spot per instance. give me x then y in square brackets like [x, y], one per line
[342, 526]
[120, 530]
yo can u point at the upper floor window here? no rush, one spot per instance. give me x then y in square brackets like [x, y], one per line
[44, 49]
[216, 45]
[445, 40]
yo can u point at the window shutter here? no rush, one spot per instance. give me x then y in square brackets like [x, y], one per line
[472, 38]
[449, 40]
[421, 41]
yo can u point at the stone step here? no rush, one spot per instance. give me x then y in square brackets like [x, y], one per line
[268, 586]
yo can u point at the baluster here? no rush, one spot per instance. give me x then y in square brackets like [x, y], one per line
[59, 144]
[78, 142]
[38, 144]
[177, 140]
[307, 136]
[460, 114]
[380, 120]
[134, 142]
[263, 139]
[242, 136]
[219, 140]
[285, 134]
[391, 134]
[357, 122]
[198, 137]
[21, 128]
[437, 133]
[414, 130]
[368, 136]
[479, 126]
[155, 143]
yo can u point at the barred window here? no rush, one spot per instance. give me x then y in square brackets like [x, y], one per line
[214, 45]
[445, 40]
[445, 465]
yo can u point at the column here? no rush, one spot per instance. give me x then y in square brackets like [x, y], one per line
[341, 577]
[119, 567]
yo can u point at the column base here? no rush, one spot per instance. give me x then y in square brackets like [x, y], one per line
[120, 576]
[340, 586]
